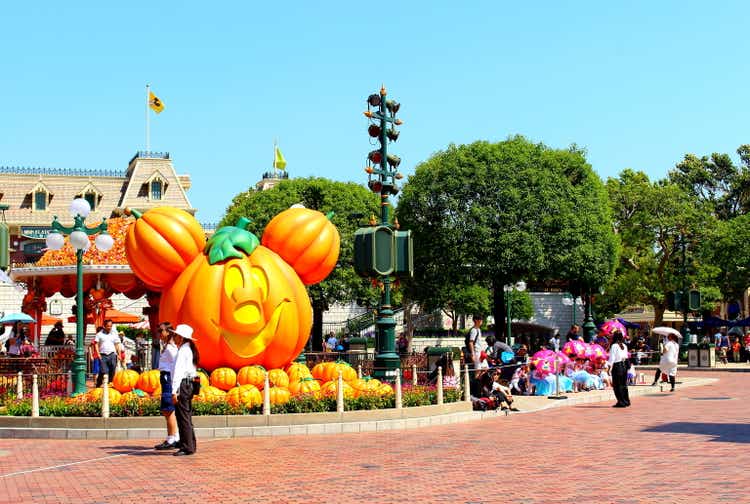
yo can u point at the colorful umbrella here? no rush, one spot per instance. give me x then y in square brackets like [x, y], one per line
[575, 349]
[611, 326]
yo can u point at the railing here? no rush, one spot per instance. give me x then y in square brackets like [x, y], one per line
[209, 226]
[282, 174]
[149, 155]
[75, 172]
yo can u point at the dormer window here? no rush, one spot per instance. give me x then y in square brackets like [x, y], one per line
[40, 201]
[91, 198]
[156, 189]
[92, 195]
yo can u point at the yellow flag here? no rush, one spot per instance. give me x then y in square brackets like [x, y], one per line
[278, 159]
[155, 103]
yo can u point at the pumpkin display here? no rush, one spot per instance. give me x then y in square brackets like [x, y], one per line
[246, 302]
[125, 380]
[330, 389]
[148, 381]
[365, 386]
[308, 385]
[246, 395]
[223, 378]
[279, 395]
[307, 240]
[297, 370]
[161, 243]
[97, 393]
[278, 378]
[252, 375]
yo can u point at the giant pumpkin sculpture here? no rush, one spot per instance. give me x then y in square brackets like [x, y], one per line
[246, 301]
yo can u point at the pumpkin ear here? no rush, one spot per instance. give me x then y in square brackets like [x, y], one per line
[231, 242]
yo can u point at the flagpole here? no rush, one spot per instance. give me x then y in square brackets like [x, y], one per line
[148, 133]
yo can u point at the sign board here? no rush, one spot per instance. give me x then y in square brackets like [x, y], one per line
[35, 232]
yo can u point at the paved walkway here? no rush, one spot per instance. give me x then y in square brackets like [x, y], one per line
[686, 447]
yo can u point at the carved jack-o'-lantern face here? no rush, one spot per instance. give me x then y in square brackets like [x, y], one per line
[252, 310]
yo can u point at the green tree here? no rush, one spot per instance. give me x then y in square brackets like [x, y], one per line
[349, 201]
[495, 213]
[726, 248]
[651, 218]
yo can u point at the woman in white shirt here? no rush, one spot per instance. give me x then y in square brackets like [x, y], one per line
[167, 358]
[618, 362]
[185, 370]
[668, 360]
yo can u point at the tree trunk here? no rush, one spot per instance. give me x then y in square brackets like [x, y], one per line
[408, 323]
[658, 315]
[317, 328]
[498, 309]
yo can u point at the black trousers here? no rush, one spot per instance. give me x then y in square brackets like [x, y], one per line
[620, 383]
[184, 413]
[108, 366]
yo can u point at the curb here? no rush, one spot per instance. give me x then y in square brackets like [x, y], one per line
[650, 367]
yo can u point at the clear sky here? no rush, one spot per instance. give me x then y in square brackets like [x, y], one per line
[637, 83]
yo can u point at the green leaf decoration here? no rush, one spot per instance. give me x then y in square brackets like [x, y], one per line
[231, 242]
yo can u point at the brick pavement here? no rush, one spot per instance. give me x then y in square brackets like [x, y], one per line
[691, 446]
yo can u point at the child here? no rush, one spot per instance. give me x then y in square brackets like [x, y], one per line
[631, 374]
[501, 393]
[604, 375]
[519, 382]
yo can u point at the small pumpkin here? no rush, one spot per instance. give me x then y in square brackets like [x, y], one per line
[252, 375]
[306, 239]
[246, 395]
[330, 389]
[321, 371]
[223, 378]
[125, 380]
[384, 389]
[210, 393]
[156, 394]
[161, 243]
[148, 381]
[97, 393]
[279, 395]
[297, 370]
[133, 395]
[278, 378]
[205, 382]
[306, 385]
[365, 386]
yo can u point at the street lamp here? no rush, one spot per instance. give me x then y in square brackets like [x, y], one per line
[79, 239]
[520, 287]
[568, 300]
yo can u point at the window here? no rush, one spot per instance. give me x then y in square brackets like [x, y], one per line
[91, 198]
[156, 189]
[40, 200]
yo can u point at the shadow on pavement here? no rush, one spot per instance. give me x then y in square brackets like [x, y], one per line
[724, 432]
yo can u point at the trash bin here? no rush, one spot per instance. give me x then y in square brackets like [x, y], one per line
[693, 357]
[358, 344]
[434, 354]
[707, 355]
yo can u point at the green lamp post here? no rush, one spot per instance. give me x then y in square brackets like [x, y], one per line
[589, 327]
[381, 251]
[79, 239]
[520, 287]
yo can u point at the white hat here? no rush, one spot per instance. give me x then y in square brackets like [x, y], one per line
[184, 330]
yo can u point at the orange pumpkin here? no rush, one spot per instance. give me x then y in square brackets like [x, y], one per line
[133, 395]
[297, 370]
[125, 380]
[304, 386]
[156, 394]
[204, 379]
[307, 240]
[384, 389]
[278, 378]
[97, 393]
[253, 310]
[331, 389]
[223, 378]
[161, 243]
[148, 381]
[327, 371]
[365, 386]
[252, 375]
[321, 371]
[279, 395]
[247, 395]
[210, 393]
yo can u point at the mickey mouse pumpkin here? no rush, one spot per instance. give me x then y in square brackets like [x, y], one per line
[246, 301]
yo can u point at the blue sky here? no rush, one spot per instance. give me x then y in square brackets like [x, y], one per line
[638, 84]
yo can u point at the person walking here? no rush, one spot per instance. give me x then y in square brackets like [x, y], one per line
[618, 362]
[167, 359]
[476, 345]
[668, 361]
[185, 370]
[109, 347]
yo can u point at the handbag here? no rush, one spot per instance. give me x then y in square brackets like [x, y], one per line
[196, 385]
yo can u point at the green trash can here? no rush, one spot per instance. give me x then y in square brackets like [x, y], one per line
[693, 355]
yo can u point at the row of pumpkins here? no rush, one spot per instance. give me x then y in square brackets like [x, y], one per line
[244, 386]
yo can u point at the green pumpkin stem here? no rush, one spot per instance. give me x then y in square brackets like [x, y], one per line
[132, 211]
[330, 215]
[231, 242]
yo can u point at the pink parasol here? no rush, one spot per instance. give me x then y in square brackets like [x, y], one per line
[611, 326]
[597, 352]
[542, 356]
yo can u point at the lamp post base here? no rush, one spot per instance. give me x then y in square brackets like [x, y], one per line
[386, 366]
[78, 372]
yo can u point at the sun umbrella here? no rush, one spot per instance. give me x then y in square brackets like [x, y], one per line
[666, 331]
[611, 326]
[736, 331]
[10, 318]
